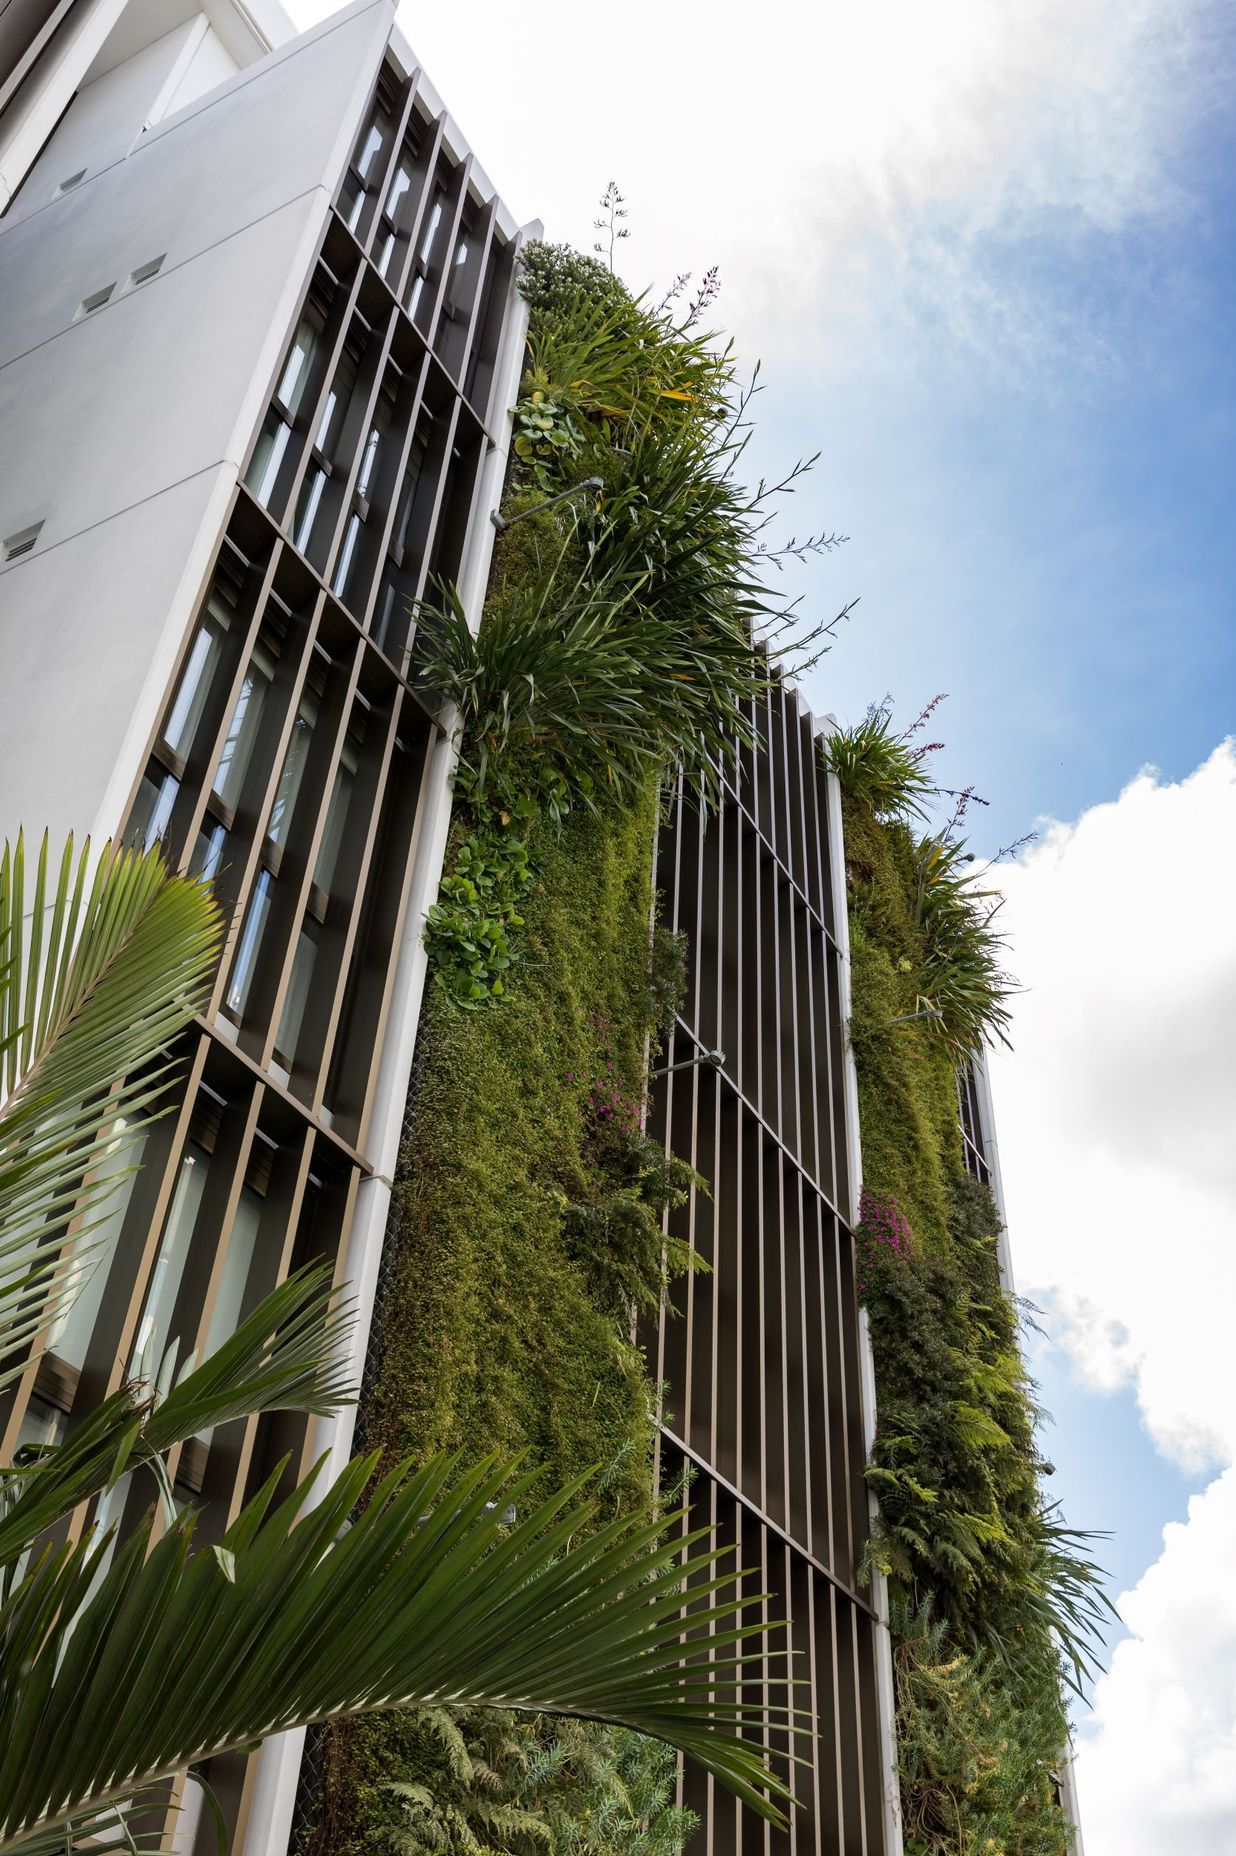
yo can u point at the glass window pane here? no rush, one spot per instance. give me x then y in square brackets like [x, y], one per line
[369, 457]
[293, 768]
[207, 858]
[351, 200]
[394, 615]
[373, 143]
[307, 507]
[399, 188]
[194, 684]
[336, 819]
[351, 535]
[334, 413]
[299, 988]
[407, 491]
[263, 472]
[299, 364]
[169, 1266]
[245, 727]
[431, 230]
[241, 1246]
[41, 1425]
[152, 808]
[69, 1335]
[247, 950]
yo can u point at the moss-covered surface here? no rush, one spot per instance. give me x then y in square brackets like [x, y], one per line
[490, 1336]
[491, 1339]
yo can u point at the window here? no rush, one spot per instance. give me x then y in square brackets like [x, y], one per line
[155, 1324]
[40, 1426]
[308, 531]
[299, 987]
[392, 618]
[325, 872]
[19, 544]
[207, 858]
[69, 1335]
[242, 1242]
[245, 964]
[366, 478]
[425, 253]
[293, 771]
[152, 809]
[397, 196]
[191, 692]
[268, 454]
[150, 820]
[144, 272]
[365, 169]
[94, 301]
[326, 867]
[245, 728]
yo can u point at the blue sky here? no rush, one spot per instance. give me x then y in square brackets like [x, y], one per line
[987, 252]
[1055, 546]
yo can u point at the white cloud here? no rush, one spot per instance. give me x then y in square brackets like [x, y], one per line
[1117, 1107]
[1116, 1112]
[845, 165]
[1157, 1765]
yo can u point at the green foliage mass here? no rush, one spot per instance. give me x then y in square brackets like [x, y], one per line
[497, 1333]
[644, 628]
[994, 1602]
[976, 1758]
[944, 923]
[530, 1785]
[907, 1086]
[492, 1338]
[623, 630]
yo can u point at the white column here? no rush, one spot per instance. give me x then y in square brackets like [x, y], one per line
[886, 1700]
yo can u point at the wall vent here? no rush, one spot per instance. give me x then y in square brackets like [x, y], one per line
[70, 181]
[144, 272]
[19, 544]
[94, 301]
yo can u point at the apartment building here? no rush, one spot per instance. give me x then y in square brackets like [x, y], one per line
[259, 335]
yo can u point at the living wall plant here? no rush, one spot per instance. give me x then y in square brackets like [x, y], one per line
[626, 629]
[996, 1605]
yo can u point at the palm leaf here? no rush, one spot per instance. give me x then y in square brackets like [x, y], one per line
[173, 1655]
[285, 1356]
[104, 962]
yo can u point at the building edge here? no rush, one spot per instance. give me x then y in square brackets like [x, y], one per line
[854, 1170]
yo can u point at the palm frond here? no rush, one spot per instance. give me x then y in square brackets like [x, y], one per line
[170, 1655]
[284, 1356]
[104, 961]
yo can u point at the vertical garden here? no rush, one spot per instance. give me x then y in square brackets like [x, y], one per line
[994, 1605]
[626, 625]
[624, 629]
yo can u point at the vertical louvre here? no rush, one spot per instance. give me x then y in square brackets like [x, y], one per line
[760, 1359]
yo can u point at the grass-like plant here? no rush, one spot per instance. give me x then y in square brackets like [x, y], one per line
[878, 768]
[961, 975]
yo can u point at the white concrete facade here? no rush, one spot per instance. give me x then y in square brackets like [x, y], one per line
[124, 429]
[210, 138]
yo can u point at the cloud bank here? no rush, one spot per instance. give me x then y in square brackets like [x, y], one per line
[843, 164]
[1116, 1114]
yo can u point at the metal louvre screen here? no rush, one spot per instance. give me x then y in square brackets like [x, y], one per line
[759, 1359]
